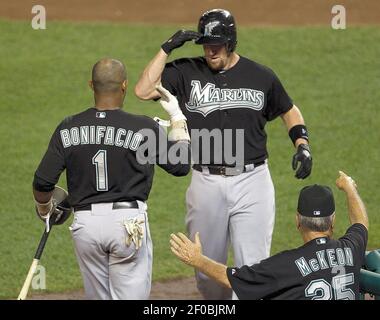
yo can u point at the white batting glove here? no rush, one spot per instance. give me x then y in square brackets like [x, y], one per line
[44, 210]
[170, 104]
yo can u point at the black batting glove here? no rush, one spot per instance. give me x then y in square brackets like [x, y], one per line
[178, 39]
[303, 155]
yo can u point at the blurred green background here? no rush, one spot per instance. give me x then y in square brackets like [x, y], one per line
[333, 76]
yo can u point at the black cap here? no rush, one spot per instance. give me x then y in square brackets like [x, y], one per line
[316, 201]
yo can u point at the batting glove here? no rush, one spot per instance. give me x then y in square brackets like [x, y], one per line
[178, 39]
[56, 211]
[45, 211]
[303, 155]
[178, 123]
[170, 104]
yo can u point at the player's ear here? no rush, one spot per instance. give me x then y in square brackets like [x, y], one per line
[124, 85]
[298, 221]
[91, 85]
[333, 221]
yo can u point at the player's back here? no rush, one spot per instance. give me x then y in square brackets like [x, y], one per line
[325, 269]
[98, 149]
[321, 269]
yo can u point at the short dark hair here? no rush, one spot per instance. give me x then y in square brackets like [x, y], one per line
[108, 75]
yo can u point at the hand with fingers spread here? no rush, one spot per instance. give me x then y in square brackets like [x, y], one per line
[186, 250]
[345, 182]
[303, 155]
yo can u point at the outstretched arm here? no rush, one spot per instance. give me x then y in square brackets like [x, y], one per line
[356, 208]
[298, 133]
[191, 253]
[291, 119]
[173, 150]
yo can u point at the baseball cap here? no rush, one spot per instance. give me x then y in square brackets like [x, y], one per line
[316, 201]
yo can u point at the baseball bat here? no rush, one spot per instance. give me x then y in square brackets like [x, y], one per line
[33, 267]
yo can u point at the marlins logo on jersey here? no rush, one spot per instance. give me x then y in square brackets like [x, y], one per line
[207, 99]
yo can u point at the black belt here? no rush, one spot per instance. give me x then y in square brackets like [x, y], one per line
[115, 206]
[228, 171]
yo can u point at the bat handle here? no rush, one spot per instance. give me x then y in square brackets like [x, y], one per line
[25, 288]
[41, 245]
[28, 280]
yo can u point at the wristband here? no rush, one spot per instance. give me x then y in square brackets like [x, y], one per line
[298, 131]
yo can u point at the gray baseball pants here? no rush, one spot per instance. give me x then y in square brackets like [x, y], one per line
[110, 268]
[231, 209]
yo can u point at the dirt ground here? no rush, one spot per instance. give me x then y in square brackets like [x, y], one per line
[180, 289]
[252, 12]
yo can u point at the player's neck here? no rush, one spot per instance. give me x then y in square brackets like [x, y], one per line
[311, 235]
[108, 102]
[232, 61]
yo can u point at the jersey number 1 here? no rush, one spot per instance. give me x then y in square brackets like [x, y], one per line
[100, 162]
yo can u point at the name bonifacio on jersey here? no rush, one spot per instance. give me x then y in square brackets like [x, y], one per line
[144, 143]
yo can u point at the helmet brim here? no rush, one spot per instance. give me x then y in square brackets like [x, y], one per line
[211, 40]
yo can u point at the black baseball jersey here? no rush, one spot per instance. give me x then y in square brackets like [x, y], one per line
[245, 96]
[323, 268]
[98, 149]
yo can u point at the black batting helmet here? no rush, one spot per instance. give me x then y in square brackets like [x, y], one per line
[217, 26]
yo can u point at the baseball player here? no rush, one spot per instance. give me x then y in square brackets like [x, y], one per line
[226, 93]
[108, 183]
[322, 269]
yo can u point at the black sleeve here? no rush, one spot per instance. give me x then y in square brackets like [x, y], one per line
[170, 78]
[182, 166]
[356, 237]
[176, 157]
[173, 157]
[254, 282]
[53, 162]
[278, 100]
[42, 185]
